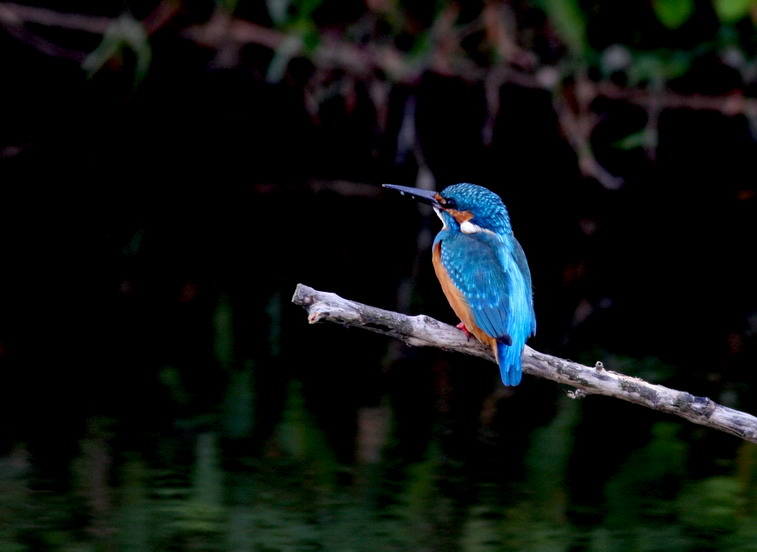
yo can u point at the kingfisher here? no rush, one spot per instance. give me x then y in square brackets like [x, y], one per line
[482, 270]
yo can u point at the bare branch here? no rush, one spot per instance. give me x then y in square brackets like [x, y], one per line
[423, 331]
[18, 14]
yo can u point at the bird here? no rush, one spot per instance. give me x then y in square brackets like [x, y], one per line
[482, 270]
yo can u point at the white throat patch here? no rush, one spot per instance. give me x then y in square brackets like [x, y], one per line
[439, 214]
[468, 227]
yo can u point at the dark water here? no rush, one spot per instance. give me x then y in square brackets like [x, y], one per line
[195, 491]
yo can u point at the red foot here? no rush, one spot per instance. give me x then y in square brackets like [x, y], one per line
[461, 326]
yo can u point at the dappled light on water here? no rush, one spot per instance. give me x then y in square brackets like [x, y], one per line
[297, 496]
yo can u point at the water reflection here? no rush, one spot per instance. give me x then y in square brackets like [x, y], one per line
[297, 496]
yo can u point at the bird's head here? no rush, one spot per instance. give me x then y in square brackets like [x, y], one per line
[465, 208]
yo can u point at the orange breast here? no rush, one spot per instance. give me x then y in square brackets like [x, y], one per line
[457, 301]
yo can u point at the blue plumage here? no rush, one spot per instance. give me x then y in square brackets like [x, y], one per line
[483, 271]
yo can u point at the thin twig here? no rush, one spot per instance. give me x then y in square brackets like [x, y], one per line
[424, 331]
[18, 14]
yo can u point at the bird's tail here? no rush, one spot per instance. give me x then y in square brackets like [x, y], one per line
[508, 358]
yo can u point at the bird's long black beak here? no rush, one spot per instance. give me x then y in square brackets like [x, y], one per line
[418, 194]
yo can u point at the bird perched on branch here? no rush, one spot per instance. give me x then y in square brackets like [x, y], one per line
[482, 270]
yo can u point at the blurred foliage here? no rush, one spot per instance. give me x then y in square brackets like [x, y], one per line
[732, 11]
[673, 13]
[531, 36]
[569, 20]
[125, 36]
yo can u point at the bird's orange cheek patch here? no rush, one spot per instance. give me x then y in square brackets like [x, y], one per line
[460, 216]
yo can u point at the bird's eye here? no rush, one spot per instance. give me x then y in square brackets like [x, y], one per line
[450, 204]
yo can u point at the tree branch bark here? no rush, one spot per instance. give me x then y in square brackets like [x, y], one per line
[423, 331]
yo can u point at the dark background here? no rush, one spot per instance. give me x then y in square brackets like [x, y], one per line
[154, 227]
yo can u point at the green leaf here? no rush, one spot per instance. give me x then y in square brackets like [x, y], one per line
[278, 10]
[634, 140]
[570, 23]
[124, 33]
[731, 11]
[136, 38]
[289, 47]
[673, 13]
[657, 66]
[639, 139]
[108, 47]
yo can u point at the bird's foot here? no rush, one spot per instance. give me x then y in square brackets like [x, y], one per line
[461, 326]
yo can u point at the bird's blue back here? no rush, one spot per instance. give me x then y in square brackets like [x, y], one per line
[487, 265]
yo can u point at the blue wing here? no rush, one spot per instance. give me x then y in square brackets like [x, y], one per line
[476, 270]
[492, 274]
